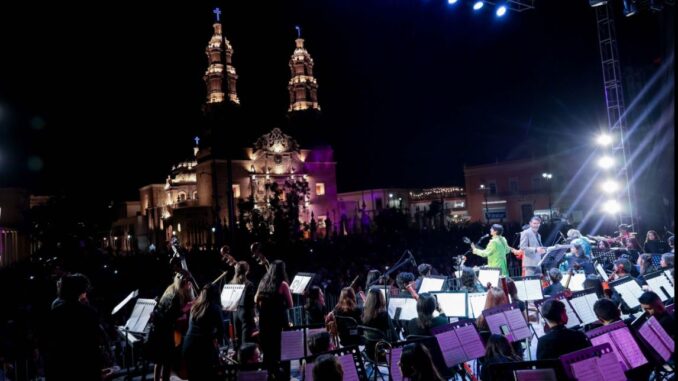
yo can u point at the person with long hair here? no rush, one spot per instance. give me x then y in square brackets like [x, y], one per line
[645, 266]
[205, 333]
[314, 308]
[416, 364]
[496, 249]
[652, 243]
[161, 345]
[469, 281]
[346, 307]
[495, 297]
[273, 298]
[422, 324]
[243, 318]
[498, 350]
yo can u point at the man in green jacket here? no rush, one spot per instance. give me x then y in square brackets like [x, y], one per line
[496, 250]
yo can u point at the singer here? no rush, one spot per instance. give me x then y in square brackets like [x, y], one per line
[496, 249]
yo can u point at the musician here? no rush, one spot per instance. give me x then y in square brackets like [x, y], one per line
[498, 350]
[422, 324]
[273, 298]
[375, 315]
[424, 270]
[628, 239]
[652, 243]
[575, 236]
[579, 260]
[496, 250]
[205, 333]
[327, 367]
[555, 287]
[403, 280]
[416, 364]
[314, 308]
[320, 342]
[652, 304]
[559, 340]
[667, 261]
[606, 311]
[645, 266]
[495, 297]
[73, 351]
[469, 281]
[244, 315]
[249, 354]
[346, 307]
[530, 244]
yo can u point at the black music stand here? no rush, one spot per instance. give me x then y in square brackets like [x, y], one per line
[294, 341]
[552, 259]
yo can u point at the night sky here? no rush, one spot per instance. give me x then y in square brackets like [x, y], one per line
[105, 97]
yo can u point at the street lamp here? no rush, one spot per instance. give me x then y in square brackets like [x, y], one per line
[548, 176]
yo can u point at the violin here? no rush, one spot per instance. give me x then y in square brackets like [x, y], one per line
[411, 290]
[259, 256]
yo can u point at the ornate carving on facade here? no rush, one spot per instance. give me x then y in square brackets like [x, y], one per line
[276, 142]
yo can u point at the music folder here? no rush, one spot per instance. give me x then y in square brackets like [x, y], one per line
[432, 284]
[459, 342]
[657, 338]
[660, 284]
[301, 282]
[597, 363]
[507, 320]
[453, 304]
[629, 290]
[529, 288]
[230, 296]
[624, 346]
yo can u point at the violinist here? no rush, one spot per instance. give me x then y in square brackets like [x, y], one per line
[574, 236]
[424, 270]
[469, 281]
[425, 320]
[579, 260]
[403, 280]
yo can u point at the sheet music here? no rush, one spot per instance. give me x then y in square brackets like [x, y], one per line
[230, 296]
[450, 346]
[489, 275]
[453, 304]
[577, 282]
[586, 370]
[253, 375]
[431, 284]
[409, 309]
[629, 347]
[517, 323]
[140, 315]
[348, 365]
[601, 271]
[630, 292]
[664, 347]
[533, 290]
[291, 345]
[522, 292]
[476, 302]
[535, 375]
[602, 339]
[583, 309]
[494, 322]
[610, 368]
[395, 303]
[470, 341]
[394, 369]
[572, 318]
[661, 286]
[129, 297]
[667, 273]
[299, 284]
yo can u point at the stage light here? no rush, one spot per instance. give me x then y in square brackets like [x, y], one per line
[656, 5]
[478, 5]
[630, 8]
[609, 186]
[606, 162]
[597, 3]
[501, 11]
[611, 206]
[452, 2]
[604, 140]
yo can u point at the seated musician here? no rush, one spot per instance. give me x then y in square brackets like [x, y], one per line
[668, 261]
[327, 368]
[555, 287]
[579, 260]
[320, 342]
[498, 350]
[422, 324]
[469, 281]
[375, 314]
[559, 340]
[652, 304]
[403, 280]
[249, 353]
[644, 266]
[495, 297]
[652, 243]
[314, 308]
[622, 269]
[606, 311]
[424, 270]
[575, 236]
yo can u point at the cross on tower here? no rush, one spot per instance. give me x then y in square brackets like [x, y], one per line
[217, 12]
[197, 140]
[298, 28]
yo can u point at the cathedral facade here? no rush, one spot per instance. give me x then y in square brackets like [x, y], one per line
[206, 194]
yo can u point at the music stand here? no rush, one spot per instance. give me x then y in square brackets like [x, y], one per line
[582, 303]
[542, 370]
[430, 343]
[123, 330]
[230, 296]
[529, 287]
[453, 303]
[432, 283]
[137, 324]
[507, 320]
[629, 290]
[294, 341]
[621, 341]
[476, 303]
[592, 363]
[402, 308]
[489, 275]
[655, 337]
[604, 256]
[577, 281]
[301, 282]
[573, 318]
[552, 258]
[660, 284]
[459, 342]
[350, 359]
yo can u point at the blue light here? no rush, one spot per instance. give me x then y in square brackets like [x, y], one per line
[501, 11]
[452, 2]
[478, 5]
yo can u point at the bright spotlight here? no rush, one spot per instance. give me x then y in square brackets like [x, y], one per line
[478, 5]
[501, 11]
[452, 2]
[606, 162]
[597, 3]
[609, 186]
[611, 206]
[604, 140]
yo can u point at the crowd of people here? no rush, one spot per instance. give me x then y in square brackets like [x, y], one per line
[187, 334]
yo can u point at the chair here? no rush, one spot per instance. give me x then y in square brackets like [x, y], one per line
[372, 337]
[347, 329]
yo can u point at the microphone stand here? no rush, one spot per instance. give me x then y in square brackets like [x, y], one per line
[387, 289]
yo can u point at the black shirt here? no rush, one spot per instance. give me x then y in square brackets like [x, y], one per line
[560, 341]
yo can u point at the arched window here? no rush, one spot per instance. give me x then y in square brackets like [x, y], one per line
[181, 197]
